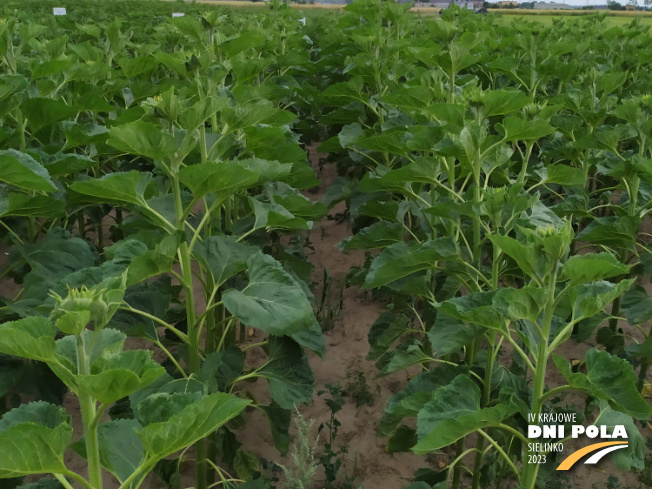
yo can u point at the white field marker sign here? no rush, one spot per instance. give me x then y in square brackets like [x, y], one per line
[59, 11]
[303, 21]
[178, 14]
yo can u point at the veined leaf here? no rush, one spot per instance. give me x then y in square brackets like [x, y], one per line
[31, 338]
[116, 187]
[591, 267]
[142, 139]
[609, 378]
[224, 256]
[290, 378]
[34, 438]
[192, 423]
[23, 171]
[272, 301]
[42, 112]
[454, 412]
[221, 178]
[401, 259]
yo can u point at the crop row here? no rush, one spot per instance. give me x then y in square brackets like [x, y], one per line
[498, 175]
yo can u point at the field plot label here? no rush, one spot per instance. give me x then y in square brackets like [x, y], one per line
[59, 11]
[178, 14]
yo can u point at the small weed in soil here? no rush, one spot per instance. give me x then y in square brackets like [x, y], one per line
[359, 391]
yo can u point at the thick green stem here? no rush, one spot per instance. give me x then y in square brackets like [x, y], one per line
[193, 330]
[531, 470]
[88, 412]
[457, 471]
[486, 397]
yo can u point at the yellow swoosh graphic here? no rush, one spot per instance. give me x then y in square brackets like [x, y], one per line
[574, 457]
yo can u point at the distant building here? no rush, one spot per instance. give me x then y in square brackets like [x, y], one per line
[508, 4]
[551, 6]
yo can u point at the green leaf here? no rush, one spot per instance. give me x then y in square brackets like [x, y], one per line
[402, 439]
[192, 423]
[279, 422]
[449, 335]
[195, 115]
[386, 330]
[81, 134]
[609, 378]
[516, 304]
[567, 176]
[453, 413]
[42, 112]
[634, 457]
[290, 378]
[153, 262]
[379, 235]
[591, 267]
[498, 102]
[142, 139]
[475, 308]
[407, 354]
[20, 204]
[65, 164]
[245, 464]
[34, 438]
[223, 178]
[120, 375]
[23, 171]
[590, 299]
[526, 257]
[224, 256]
[616, 231]
[272, 301]
[516, 129]
[402, 259]
[637, 305]
[121, 451]
[31, 338]
[116, 187]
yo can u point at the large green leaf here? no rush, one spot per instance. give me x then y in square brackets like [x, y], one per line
[142, 139]
[192, 423]
[637, 305]
[591, 267]
[453, 412]
[498, 102]
[590, 299]
[118, 376]
[272, 301]
[290, 378]
[121, 451]
[379, 235]
[517, 129]
[116, 187]
[634, 457]
[525, 256]
[20, 204]
[620, 231]
[23, 171]
[609, 378]
[516, 304]
[221, 178]
[402, 259]
[31, 338]
[42, 112]
[34, 438]
[476, 308]
[449, 335]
